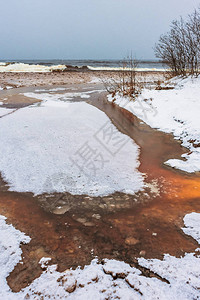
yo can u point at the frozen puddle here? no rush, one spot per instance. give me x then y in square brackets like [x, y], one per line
[53, 94]
[179, 278]
[59, 146]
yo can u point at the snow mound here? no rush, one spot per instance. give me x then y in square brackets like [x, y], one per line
[173, 111]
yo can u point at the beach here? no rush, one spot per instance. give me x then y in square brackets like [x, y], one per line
[27, 79]
[100, 150]
[131, 210]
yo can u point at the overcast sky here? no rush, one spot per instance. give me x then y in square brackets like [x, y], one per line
[85, 29]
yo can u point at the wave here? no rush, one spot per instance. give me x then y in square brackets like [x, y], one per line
[22, 67]
[125, 69]
[41, 67]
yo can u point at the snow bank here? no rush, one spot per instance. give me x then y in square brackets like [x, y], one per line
[180, 277]
[58, 146]
[21, 67]
[173, 111]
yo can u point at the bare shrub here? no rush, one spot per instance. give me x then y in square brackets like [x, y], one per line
[125, 81]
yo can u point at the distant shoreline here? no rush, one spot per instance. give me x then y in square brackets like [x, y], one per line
[77, 65]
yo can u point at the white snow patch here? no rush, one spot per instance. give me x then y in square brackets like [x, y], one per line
[173, 111]
[52, 90]
[52, 95]
[192, 223]
[5, 111]
[10, 254]
[44, 262]
[56, 146]
[60, 97]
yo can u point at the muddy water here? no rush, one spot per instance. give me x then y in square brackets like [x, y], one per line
[119, 226]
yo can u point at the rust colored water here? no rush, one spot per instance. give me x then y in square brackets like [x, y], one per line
[148, 228]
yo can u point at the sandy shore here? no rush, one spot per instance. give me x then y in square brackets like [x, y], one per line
[60, 78]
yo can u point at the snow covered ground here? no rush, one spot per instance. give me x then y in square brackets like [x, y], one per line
[59, 145]
[5, 111]
[179, 277]
[173, 111]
